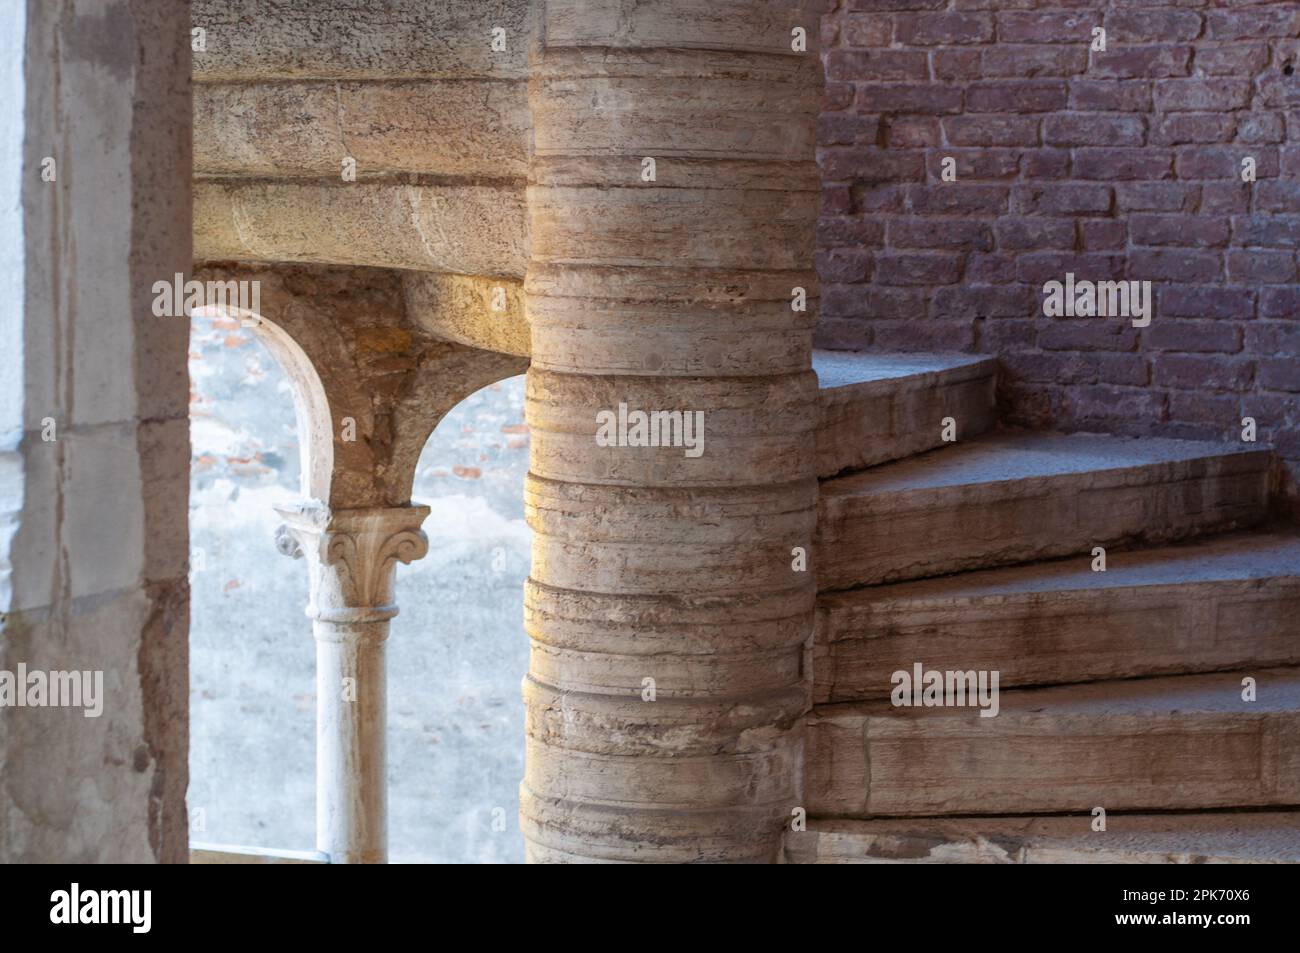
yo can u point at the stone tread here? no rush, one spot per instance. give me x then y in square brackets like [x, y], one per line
[838, 370]
[1271, 837]
[1010, 456]
[1201, 607]
[1186, 742]
[881, 407]
[1232, 558]
[1014, 497]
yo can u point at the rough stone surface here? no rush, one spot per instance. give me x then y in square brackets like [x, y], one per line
[1012, 497]
[1181, 743]
[881, 407]
[650, 565]
[389, 222]
[1258, 838]
[94, 542]
[1202, 607]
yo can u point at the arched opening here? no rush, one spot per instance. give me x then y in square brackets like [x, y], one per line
[457, 651]
[252, 684]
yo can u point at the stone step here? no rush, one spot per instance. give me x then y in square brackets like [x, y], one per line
[1212, 605]
[1224, 838]
[1187, 742]
[1013, 497]
[882, 407]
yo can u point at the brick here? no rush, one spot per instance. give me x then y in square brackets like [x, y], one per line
[955, 64]
[1051, 368]
[955, 198]
[860, 31]
[994, 337]
[1113, 164]
[925, 335]
[1028, 62]
[1273, 339]
[878, 6]
[837, 96]
[1277, 90]
[1213, 412]
[1199, 231]
[844, 265]
[1017, 234]
[1256, 22]
[1085, 129]
[846, 129]
[870, 164]
[1261, 265]
[836, 199]
[865, 65]
[1206, 301]
[872, 301]
[954, 233]
[1193, 372]
[1280, 374]
[1282, 195]
[989, 301]
[991, 269]
[910, 132]
[1121, 409]
[1036, 268]
[1087, 334]
[1225, 197]
[991, 130]
[1201, 95]
[1202, 336]
[1103, 234]
[1282, 303]
[1064, 199]
[915, 268]
[943, 29]
[849, 230]
[976, 163]
[1156, 196]
[1146, 264]
[1183, 128]
[1054, 27]
[1214, 162]
[1049, 164]
[1236, 59]
[1110, 95]
[1017, 97]
[926, 98]
[1153, 26]
[1141, 62]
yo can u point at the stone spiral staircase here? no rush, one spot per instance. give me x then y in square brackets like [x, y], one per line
[1121, 689]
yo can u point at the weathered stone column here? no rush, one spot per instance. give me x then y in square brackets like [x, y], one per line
[352, 557]
[673, 197]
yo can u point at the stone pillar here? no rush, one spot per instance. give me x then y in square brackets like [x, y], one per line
[352, 557]
[673, 198]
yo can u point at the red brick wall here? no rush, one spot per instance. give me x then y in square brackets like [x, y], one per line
[1122, 164]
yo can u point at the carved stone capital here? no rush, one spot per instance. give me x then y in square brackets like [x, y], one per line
[352, 555]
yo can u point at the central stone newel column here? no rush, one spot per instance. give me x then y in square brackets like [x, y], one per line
[673, 199]
[352, 557]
